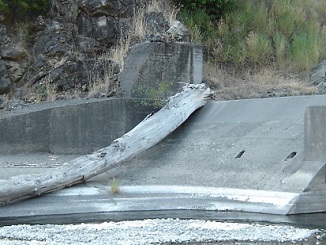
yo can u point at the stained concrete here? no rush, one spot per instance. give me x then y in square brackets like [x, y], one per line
[244, 156]
[151, 64]
[69, 127]
[255, 144]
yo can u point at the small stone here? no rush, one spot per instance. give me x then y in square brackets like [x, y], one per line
[179, 32]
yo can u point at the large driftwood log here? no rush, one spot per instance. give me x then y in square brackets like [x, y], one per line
[145, 135]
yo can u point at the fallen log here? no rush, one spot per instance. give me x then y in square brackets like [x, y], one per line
[146, 134]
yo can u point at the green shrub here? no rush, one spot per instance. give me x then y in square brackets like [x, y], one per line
[154, 95]
[304, 51]
[200, 24]
[281, 46]
[201, 17]
[258, 49]
[215, 9]
[19, 6]
[286, 34]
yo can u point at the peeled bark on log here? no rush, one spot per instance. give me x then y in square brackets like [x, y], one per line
[146, 134]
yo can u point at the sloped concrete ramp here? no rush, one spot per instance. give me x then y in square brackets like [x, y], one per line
[242, 156]
[252, 151]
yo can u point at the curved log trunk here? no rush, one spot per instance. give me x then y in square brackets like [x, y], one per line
[146, 134]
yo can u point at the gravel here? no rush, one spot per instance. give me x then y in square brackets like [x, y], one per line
[157, 231]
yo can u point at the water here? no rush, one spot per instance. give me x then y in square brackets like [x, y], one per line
[317, 220]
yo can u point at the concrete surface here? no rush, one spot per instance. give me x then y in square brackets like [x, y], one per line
[151, 63]
[206, 151]
[244, 156]
[315, 133]
[69, 127]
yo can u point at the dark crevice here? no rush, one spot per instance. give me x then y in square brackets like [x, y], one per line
[291, 155]
[240, 154]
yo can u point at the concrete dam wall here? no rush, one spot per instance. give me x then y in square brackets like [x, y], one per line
[82, 126]
[73, 127]
[248, 156]
[257, 155]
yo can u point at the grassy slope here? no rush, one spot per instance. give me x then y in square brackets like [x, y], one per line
[263, 48]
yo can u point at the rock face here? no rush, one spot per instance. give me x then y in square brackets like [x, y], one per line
[318, 76]
[67, 51]
[14, 60]
[70, 50]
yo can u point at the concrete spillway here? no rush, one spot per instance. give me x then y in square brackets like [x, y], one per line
[246, 155]
[251, 150]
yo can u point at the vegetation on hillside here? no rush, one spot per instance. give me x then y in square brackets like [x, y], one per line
[285, 34]
[20, 6]
[254, 48]
[214, 9]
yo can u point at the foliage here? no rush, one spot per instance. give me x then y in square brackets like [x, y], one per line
[286, 34]
[155, 95]
[46, 91]
[213, 8]
[199, 16]
[19, 6]
[202, 28]
[115, 186]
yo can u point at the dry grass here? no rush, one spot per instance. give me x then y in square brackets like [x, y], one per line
[46, 91]
[138, 26]
[119, 52]
[168, 9]
[51, 91]
[22, 33]
[104, 84]
[264, 83]
[115, 189]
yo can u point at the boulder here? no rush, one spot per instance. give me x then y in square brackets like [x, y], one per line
[15, 70]
[5, 82]
[2, 103]
[14, 53]
[179, 32]
[318, 75]
[4, 36]
[157, 25]
[5, 85]
[102, 30]
[321, 87]
[97, 8]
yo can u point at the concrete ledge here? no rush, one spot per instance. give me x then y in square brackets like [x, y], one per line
[87, 199]
[69, 127]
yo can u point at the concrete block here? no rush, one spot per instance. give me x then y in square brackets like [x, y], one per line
[152, 63]
[315, 134]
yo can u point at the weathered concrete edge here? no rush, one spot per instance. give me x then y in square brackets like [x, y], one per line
[315, 133]
[69, 127]
[85, 199]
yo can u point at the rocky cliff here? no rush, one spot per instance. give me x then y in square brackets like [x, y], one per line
[76, 48]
